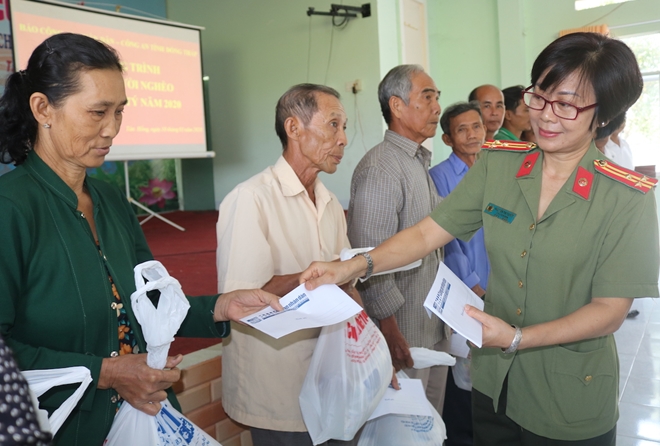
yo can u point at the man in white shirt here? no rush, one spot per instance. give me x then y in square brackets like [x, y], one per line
[270, 228]
[615, 147]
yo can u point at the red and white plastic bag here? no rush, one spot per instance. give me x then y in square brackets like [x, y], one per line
[350, 369]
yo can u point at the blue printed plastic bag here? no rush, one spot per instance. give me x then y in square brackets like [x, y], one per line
[408, 430]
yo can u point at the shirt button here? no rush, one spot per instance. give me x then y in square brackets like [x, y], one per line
[588, 378]
[113, 305]
[532, 226]
[114, 354]
[518, 311]
[114, 399]
[520, 284]
[523, 254]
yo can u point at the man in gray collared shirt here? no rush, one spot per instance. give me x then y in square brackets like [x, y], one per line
[391, 190]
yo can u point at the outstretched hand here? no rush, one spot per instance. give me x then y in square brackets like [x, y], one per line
[235, 305]
[137, 383]
[321, 273]
[495, 332]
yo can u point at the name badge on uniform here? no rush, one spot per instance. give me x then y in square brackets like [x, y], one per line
[500, 213]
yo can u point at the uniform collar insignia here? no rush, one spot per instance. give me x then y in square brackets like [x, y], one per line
[528, 164]
[583, 182]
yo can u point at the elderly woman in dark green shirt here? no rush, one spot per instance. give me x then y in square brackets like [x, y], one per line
[70, 242]
[571, 237]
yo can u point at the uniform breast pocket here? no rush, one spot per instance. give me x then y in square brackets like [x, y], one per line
[584, 385]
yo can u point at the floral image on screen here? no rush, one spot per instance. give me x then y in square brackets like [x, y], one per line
[157, 192]
[152, 183]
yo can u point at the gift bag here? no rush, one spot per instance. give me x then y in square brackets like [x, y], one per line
[167, 428]
[425, 357]
[409, 430]
[350, 369]
[41, 381]
[159, 324]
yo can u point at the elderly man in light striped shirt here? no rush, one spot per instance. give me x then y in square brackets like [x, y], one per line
[390, 191]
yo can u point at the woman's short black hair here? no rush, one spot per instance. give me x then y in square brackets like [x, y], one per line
[53, 69]
[607, 64]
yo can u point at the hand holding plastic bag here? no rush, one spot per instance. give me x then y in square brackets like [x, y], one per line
[159, 324]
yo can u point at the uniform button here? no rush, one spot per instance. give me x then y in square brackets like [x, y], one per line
[520, 284]
[518, 311]
[532, 226]
[82, 215]
[114, 399]
[588, 378]
[114, 354]
[523, 254]
[113, 305]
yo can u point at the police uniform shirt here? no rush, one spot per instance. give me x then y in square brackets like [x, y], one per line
[597, 238]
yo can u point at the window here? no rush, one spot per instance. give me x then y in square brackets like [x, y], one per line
[642, 129]
[588, 4]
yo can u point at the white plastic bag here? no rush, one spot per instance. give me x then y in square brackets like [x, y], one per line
[167, 428]
[350, 369]
[461, 374]
[425, 357]
[41, 381]
[408, 430]
[159, 324]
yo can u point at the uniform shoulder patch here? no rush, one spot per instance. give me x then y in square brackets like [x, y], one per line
[628, 177]
[510, 146]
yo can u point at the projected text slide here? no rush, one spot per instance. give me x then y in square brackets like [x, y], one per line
[165, 110]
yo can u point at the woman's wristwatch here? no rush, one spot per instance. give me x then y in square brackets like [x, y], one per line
[370, 265]
[516, 340]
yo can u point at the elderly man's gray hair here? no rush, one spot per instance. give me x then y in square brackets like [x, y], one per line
[397, 82]
[299, 101]
[454, 110]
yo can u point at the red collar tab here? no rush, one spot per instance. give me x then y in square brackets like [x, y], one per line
[527, 164]
[511, 146]
[628, 177]
[583, 182]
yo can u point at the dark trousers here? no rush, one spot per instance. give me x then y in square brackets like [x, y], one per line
[495, 428]
[457, 414]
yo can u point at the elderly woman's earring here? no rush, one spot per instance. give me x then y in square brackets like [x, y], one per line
[46, 126]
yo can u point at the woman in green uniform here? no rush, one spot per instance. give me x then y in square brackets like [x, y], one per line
[70, 242]
[571, 237]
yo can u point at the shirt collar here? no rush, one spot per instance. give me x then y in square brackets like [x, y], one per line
[504, 133]
[459, 166]
[291, 184]
[45, 175]
[410, 147]
[586, 162]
